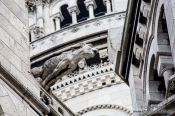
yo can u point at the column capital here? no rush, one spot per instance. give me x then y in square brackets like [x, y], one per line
[90, 2]
[39, 2]
[30, 4]
[74, 9]
[57, 15]
[106, 1]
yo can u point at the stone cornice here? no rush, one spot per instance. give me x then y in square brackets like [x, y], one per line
[96, 22]
[77, 86]
[23, 92]
[92, 73]
[30, 98]
[82, 23]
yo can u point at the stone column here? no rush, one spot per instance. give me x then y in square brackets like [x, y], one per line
[47, 19]
[90, 4]
[58, 18]
[108, 6]
[39, 12]
[57, 22]
[74, 12]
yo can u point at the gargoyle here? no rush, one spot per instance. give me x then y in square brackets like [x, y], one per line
[56, 67]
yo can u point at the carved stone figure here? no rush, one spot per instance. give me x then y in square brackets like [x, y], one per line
[56, 67]
[82, 64]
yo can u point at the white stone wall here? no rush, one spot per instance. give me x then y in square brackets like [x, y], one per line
[119, 5]
[117, 94]
[14, 57]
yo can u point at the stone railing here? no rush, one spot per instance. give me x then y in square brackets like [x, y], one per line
[76, 31]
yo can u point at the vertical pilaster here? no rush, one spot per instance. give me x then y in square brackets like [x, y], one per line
[57, 17]
[57, 22]
[39, 7]
[108, 6]
[47, 26]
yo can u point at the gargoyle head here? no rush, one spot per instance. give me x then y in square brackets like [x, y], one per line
[88, 50]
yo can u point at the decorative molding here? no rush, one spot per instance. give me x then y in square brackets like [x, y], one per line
[86, 82]
[171, 87]
[56, 67]
[23, 91]
[104, 106]
[80, 26]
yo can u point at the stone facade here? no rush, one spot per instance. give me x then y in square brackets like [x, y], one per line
[60, 27]
[57, 58]
[147, 56]
[20, 93]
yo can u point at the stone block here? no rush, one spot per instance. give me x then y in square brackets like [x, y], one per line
[164, 62]
[18, 8]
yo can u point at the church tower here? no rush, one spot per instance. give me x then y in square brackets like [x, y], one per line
[84, 35]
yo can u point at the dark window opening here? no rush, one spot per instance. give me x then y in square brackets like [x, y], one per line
[101, 8]
[139, 41]
[162, 22]
[30, 37]
[54, 22]
[67, 18]
[142, 19]
[95, 60]
[60, 110]
[156, 85]
[112, 81]
[104, 83]
[135, 61]
[84, 14]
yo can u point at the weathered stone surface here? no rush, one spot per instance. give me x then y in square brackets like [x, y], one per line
[56, 67]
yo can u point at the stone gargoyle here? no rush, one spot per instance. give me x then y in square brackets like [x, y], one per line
[56, 67]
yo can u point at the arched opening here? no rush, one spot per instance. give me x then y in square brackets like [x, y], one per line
[67, 18]
[162, 25]
[164, 47]
[156, 85]
[101, 8]
[84, 14]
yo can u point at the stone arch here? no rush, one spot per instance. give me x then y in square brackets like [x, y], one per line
[156, 85]
[166, 66]
[104, 106]
[84, 14]
[67, 17]
[56, 6]
[101, 8]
